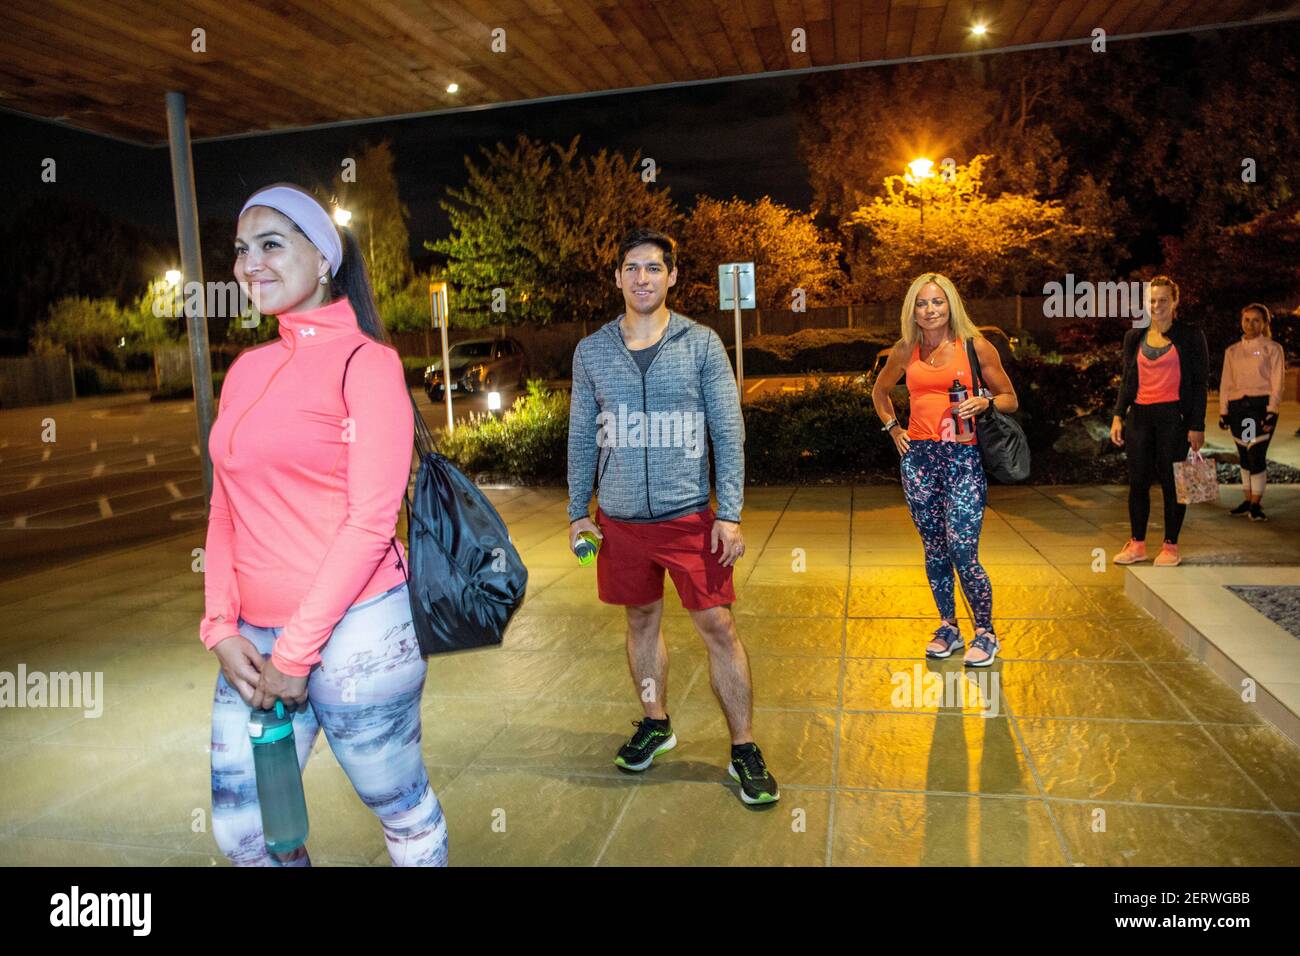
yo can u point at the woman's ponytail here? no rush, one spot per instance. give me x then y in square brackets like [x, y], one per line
[353, 282]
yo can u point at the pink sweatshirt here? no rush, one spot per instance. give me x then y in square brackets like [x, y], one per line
[306, 488]
[1257, 367]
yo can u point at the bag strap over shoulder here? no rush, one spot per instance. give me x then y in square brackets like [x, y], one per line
[976, 372]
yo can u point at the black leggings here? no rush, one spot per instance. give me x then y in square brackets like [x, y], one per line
[1154, 437]
[1252, 408]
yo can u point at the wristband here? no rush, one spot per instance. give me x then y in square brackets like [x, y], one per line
[889, 425]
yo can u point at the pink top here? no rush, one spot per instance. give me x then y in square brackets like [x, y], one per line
[929, 408]
[305, 487]
[1254, 367]
[1158, 379]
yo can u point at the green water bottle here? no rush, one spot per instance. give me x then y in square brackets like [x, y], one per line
[586, 548]
[279, 779]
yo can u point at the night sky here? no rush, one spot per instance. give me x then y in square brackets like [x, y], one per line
[734, 138]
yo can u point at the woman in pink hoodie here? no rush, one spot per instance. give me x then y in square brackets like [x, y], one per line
[1250, 395]
[305, 587]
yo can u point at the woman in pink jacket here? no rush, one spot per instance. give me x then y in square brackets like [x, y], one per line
[305, 590]
[1250, 395]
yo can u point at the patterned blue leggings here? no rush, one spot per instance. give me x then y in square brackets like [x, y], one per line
[365, 694]
[946, 490]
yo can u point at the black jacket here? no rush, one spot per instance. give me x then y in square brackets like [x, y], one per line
[1193, 363]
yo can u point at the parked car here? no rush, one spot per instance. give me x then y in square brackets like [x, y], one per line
[479, 365]
[1005, 344]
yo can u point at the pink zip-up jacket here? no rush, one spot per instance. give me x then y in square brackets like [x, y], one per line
[306, 486]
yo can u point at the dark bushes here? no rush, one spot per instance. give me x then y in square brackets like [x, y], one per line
[827, 350]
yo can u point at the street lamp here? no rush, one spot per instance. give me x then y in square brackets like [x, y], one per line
[918, 171]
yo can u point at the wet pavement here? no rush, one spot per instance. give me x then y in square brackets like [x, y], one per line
[1095, 740]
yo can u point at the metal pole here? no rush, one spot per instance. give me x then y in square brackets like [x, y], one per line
[187, 230]
[740, 352]
[442, 318]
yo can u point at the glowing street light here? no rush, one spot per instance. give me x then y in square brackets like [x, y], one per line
[342, 216]
[918, 171]
[173, 276]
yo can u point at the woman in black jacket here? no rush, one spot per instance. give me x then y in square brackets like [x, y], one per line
[1159, 413]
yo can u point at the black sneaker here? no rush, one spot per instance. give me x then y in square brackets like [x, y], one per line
[649, 741]
[1241, 509]
[1257, 513]
[748, 769]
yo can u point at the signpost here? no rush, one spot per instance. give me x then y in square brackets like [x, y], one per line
[438, 308]
[736, 291]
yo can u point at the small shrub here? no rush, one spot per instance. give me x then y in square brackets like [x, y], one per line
[1054, 392]
[528, 443]
[827, 427]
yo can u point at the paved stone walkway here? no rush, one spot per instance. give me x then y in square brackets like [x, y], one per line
[1094, 741]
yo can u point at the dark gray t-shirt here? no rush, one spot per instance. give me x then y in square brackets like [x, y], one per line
[644, 357]
[1153, 353]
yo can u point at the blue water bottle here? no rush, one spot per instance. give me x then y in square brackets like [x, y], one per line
[279, 779]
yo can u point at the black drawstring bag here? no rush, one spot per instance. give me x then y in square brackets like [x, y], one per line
[1003, 446]
[465, 579]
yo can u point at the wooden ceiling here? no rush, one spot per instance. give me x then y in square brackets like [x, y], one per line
[104, 65]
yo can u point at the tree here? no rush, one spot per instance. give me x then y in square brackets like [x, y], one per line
[58, 247]
[1255, 261]
[378, 219]
[535, 232]
[1147, 138]
[786, 247]
[99, 330]
[987, 246]
[857, 127]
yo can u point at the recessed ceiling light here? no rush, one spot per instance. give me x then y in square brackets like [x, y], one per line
[979, 29]
[453, 87]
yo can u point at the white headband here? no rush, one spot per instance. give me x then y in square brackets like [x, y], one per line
[309, 216]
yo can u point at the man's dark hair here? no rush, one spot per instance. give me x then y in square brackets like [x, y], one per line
[639, 237]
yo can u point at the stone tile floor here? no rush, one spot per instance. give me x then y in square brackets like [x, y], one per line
[1094, 741]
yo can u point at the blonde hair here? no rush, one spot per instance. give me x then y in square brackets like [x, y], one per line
[1262, 309]
[958, 321]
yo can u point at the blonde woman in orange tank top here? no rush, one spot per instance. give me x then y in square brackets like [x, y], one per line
[942, 473]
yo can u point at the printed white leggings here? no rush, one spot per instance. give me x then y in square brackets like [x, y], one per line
[365, 695]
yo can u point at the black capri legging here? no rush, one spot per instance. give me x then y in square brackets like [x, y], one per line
[1252, 408]
[1155, 437]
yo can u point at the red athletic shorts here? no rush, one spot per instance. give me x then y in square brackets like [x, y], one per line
[633, 557]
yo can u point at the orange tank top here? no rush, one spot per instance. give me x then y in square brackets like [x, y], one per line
[1158, 379]
[927, 393]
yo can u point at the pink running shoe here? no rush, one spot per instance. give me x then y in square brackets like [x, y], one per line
[1168, 557]
[1133, 552]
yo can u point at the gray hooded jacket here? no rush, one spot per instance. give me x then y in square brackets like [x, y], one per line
[645, 439]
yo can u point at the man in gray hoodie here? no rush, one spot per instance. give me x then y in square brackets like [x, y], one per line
[651, 390]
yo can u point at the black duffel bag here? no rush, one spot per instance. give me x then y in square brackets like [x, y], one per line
[466, 579]
[1003, 446]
